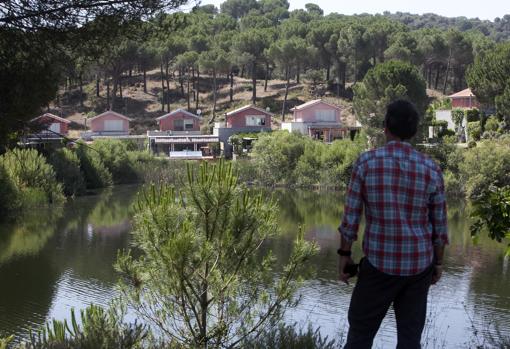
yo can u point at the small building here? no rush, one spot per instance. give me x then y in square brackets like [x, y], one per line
[192, 145]
[319, 120]
[109, 123]
[50, 125]
[464, 99]
[247, 119]
[179, 120]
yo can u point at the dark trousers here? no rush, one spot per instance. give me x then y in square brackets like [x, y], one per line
[373, 294]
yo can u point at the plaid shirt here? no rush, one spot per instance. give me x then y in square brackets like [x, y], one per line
[402, 191]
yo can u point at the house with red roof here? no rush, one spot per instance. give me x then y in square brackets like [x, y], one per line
[51, 125]
[249, 118]
[464, 99]
[179, 120]
[109, 123]
[320, 120]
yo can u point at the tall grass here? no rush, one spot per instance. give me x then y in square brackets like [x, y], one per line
[66, 164]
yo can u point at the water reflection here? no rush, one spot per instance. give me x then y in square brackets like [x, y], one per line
[53, 260]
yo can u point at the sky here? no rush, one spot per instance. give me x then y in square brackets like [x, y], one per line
[486, 9]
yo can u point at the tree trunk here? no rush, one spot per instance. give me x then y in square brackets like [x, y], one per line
[167, 79]
[81, 89]
[188, 78]
[438, 72]
[298, 73]
[193, 83]
[98, 80]
[144, 80]
[197, 88]
[214, 98]
[114, 92]
[254, 83]
[447, 71]
[181, 80]
[328, 72]
[120, 88]
[231, 86]
[163, 94]
[287, 76]
[266, 77]
[108, 94]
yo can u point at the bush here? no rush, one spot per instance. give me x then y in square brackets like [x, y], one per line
[458, 116]
[491, 124]
[454, 186]
[98, 328]
[485, 165]
[287, 337]
[474, 130]
[66, 164]
[472, 115]
[276, 155]
[33, 177]
[9, 195]
[96, 174]
[115, 156]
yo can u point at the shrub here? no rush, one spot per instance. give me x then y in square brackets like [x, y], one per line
[33, 177]
[188, 241]
[485, 165]
[491, 124]
[474, 130]
[276, 155]
[472, 115]
[9, 195]
[115, 157]
[93, 169]
[287, 337]
[66, 164]
[98, 328]
[458, 116]
[454, 186]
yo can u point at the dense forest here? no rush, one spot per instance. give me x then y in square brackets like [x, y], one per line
[257, 40]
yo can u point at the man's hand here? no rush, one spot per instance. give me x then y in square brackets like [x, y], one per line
[438, 272]
[343, 261]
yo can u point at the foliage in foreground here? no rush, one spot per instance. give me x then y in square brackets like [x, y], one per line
[286, 337]
[202, 279]
[492, 213]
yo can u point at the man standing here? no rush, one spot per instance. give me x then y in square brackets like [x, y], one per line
[402, 193]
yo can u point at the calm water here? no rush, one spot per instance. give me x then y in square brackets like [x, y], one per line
[52, 261]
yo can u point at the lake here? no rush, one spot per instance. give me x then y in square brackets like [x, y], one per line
[54, 259]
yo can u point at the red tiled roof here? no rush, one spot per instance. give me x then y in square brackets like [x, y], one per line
[52, 116]
[464, 93]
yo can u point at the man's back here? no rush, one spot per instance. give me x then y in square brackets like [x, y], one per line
[402, 192]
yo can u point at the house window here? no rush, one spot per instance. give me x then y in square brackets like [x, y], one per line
[325, 115]
[188, 124]
[255, 120]
[55, 127]
[113, 125]
[182, 125]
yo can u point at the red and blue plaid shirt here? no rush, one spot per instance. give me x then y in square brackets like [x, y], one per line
[402, 192]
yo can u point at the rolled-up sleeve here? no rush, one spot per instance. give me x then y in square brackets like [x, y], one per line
[353, 204]
[437, 213]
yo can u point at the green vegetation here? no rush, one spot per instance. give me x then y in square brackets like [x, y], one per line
[382, 85]
[202, 274]
[291, 159]
[492, 213]
[66, 164]
[29, 180]
[98, 328]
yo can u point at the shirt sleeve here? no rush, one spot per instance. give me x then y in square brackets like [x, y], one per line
[353, 204]
[437, 213]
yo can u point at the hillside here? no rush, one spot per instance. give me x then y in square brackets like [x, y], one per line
[144, 108]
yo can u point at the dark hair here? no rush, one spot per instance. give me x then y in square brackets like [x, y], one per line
[402, 119]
